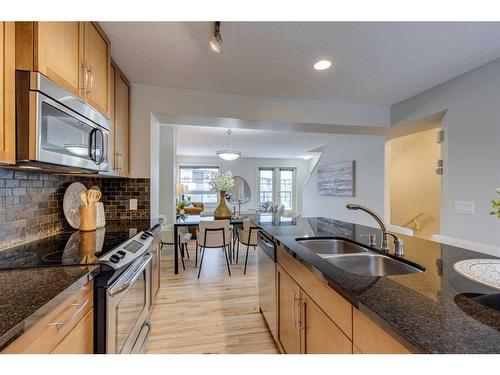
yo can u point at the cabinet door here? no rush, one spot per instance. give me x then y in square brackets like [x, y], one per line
[320, 335]
[57, 51]
[97, 64]
[288, 312]
[111, 144]
[7, 98]
[122, 124]
[80, 340]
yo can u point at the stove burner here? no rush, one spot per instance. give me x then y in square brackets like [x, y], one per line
[54, 257]
[17, 257]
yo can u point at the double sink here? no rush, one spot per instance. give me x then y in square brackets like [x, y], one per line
[357, 259]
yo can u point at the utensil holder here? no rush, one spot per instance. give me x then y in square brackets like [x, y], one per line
[88, 218]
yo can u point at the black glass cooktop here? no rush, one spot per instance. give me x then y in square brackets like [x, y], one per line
[64, 249]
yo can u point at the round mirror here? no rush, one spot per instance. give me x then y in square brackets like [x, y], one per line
[241, 191]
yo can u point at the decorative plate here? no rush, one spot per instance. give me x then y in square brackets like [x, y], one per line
[72, 203]
[483, 271]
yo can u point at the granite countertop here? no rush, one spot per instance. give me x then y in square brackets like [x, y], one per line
[27, 295]
[434, 311]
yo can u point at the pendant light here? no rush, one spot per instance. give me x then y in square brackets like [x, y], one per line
[229, 154]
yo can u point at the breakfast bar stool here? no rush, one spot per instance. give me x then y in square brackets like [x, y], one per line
[213, 234]
[247, 236]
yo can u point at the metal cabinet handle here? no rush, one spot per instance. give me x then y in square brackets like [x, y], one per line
[90, 80]
[296, 300]
[85, 77]
[81, 306]
[302, 310]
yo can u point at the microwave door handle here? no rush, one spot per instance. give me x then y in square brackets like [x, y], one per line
[91, 141]
[101, 159]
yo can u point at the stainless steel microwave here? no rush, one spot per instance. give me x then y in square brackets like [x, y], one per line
[56, 130]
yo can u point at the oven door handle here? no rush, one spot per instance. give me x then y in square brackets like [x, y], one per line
[116, 290]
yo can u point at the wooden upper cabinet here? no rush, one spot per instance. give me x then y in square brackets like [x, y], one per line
[111, 143]
[122, 125]
[74, 55]
[96, 67]
[57, 52]
[288, 312]
[320, 335]
[7, 97]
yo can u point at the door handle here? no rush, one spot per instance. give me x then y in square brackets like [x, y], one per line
[91, 143]
[90, 80]
[85, 78]
[302, 313]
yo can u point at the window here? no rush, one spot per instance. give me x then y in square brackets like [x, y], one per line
[278, 186]
[265, 185]
[196, 179]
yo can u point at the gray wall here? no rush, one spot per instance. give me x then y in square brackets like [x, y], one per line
[368, 152]
[471, 150]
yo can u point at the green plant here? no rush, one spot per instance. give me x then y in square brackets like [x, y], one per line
[496, 205]
[181, 205]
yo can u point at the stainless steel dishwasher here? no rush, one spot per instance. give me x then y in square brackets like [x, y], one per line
[267, 281]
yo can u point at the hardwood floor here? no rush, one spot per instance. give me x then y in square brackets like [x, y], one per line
[213, 314]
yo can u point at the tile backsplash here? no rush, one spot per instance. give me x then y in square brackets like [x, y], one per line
[31, 202]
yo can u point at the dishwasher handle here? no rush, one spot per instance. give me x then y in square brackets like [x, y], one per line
[266, 245]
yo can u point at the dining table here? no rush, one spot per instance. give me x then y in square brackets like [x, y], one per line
[193, 221]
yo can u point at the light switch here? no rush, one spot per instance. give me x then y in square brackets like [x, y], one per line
[133, 204]
[464, 207]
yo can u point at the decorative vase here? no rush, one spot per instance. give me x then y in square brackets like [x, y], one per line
[222, 211]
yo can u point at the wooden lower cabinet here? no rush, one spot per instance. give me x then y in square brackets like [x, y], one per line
[81, 338]
[370, 338]
[313, 318]
[288, 312]
[68, 328]
[320, 335]
[302, 326]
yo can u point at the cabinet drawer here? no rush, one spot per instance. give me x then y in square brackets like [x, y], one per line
[369, 338]
[338, 309]
[81, 338]
[46, 334]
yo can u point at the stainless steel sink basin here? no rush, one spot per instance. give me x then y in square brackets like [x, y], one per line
[371, 264]
[325, 247]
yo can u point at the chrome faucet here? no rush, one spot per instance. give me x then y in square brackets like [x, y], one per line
[398, 242]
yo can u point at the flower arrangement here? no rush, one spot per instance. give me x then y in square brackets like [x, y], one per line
[496, 205]
[221, 182]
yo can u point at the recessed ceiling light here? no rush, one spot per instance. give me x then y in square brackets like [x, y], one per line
[322, 65]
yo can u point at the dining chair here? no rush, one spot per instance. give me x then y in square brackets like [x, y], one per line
[247, 236]
[213, 234]
[183, 237]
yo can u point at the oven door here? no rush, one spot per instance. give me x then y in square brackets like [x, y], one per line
[64, 137]
[128, 301]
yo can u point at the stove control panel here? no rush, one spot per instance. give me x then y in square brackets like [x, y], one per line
[127, 252]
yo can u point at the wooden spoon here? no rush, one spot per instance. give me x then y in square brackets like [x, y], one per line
[83, 198]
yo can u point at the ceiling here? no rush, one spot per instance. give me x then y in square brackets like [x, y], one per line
[374, 62]
[205, 141]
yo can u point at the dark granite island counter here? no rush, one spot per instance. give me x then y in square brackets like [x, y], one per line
[435, 311]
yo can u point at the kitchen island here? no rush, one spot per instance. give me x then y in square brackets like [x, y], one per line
[434, 311]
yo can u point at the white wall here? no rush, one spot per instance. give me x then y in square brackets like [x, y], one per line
[368, 152]
[167, 174]
[247, 168]
[147, 100]
[155, 167]
[471, 149]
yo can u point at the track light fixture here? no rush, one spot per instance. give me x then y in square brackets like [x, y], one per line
[216, 41]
